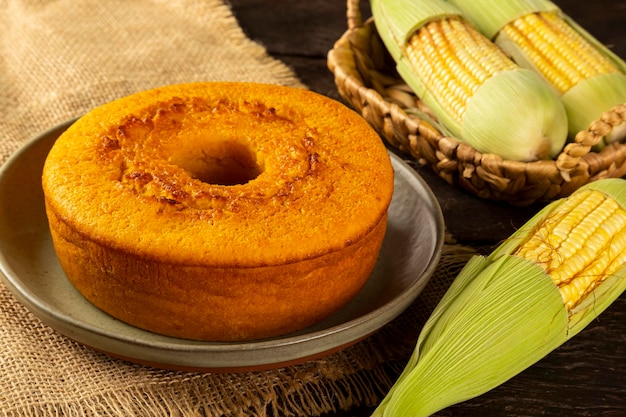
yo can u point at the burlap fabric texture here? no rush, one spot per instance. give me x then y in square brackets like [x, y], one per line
[60, 59]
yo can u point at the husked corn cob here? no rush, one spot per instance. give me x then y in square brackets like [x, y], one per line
[580, 244]
[589, 78]
[506, 311]
[559, 53]
[477, 92]
[454, 60]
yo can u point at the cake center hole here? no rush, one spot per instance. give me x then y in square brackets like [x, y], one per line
[223, 163]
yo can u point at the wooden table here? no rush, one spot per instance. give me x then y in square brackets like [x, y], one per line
[587, 375]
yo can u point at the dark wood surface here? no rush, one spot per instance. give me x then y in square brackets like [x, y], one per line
[587, 375]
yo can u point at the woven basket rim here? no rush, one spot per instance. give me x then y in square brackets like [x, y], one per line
[486, 175]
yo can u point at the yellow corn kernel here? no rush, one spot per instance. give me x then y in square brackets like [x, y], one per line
[579, 244]
[454, 60]
[556, 50]
[475, 91]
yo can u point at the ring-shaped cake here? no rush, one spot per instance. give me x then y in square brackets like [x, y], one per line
[219, 211]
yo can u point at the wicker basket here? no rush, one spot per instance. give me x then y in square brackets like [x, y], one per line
[366, 78]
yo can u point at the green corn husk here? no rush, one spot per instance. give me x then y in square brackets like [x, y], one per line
[489, 16]
[585, 102]
[501, 315]
[513, 114]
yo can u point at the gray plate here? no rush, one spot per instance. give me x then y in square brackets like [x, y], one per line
[31, 271]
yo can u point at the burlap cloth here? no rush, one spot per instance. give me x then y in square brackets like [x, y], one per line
[59, 59]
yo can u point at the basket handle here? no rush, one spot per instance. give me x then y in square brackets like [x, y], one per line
[353, 14]
[585, 140]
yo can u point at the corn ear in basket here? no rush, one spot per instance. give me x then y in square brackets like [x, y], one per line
[589, 77]
[366, 77]
[506, 311]
[478, 94]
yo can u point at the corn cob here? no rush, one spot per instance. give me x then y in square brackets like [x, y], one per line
[559, 53]
[589, 78]
[505, 312]
[477, 93]
[580, 244]
[464, 61]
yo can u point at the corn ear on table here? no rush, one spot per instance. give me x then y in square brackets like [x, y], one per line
[584, 377]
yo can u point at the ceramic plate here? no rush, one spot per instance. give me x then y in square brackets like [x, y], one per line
[32, 273]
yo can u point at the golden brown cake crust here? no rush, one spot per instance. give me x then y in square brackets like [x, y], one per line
[166, 199]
